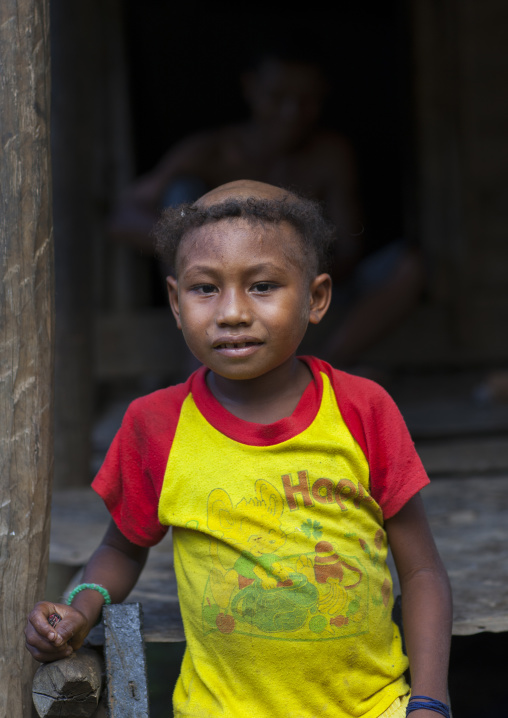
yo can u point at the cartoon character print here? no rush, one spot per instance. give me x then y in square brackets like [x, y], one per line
[261, 583]
[237, 527]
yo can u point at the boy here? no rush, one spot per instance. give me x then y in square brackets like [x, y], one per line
[283, 480]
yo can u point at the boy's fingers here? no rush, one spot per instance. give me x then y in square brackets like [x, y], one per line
[41, 648]
[49, 653]
[38, 618]
[48, 643]
[40, 642]
[63, 630]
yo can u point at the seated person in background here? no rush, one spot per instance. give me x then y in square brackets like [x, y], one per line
[283, 144]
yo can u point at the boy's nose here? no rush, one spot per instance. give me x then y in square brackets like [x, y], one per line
[233, 309]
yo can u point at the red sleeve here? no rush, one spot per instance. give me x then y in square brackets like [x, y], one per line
[396, 471]
[130, 479]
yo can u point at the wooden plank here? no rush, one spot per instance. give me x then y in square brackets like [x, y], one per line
[78, 522]
[465, 456]
[158, 594]
[467, 516]
[125, 661]
[441, 418]
[26, 335]
[468, 520]
[138, 343]
[449, 405]
[427, 340]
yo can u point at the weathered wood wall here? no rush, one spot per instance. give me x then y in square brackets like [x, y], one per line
[460, 75]
[91, 162]
[74, 72]
[462, 114]
[26, 335]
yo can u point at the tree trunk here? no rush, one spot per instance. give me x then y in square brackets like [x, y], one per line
[26, 335]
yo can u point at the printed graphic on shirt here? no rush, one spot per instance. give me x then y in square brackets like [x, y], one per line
[276, 576]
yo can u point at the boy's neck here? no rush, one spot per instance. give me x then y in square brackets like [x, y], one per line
[265, 399]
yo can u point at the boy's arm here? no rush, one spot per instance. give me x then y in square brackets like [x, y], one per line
[426, 601]
[116, 566]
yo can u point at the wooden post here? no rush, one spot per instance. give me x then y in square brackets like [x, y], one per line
[69, 688]
[26, 335]
[125, 661]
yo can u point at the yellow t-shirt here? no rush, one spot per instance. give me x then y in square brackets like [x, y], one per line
[280, 550]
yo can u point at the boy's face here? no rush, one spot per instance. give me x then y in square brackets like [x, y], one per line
[243, 297]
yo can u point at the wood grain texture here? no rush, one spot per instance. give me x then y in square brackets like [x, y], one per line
[125, 661]
[74, 75]
[468, 520]
[460, 75]
[26, 335]
[70, 687]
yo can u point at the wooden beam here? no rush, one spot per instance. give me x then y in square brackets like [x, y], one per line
[125, 661]
[69, 687]
[26, 335]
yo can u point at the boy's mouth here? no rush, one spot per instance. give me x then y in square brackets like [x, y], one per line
[235, 345]
[239, 347]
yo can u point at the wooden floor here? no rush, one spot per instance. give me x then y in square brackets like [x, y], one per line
[464, 447]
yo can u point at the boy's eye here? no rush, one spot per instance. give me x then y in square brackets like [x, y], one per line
[205, 288]
[263, 287]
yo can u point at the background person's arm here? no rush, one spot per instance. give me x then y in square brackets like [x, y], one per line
[343, 206]
[140, 205]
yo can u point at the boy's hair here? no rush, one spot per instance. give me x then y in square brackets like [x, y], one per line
[305, 215]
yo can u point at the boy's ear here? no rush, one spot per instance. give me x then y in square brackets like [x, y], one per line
[172, 285]
[320, 297]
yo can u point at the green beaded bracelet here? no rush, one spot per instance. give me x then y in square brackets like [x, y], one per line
[95, 587]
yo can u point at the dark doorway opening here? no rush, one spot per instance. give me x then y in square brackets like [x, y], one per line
[185, 61]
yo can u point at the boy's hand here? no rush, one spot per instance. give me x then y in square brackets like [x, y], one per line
[117, 564]
[46, 643]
